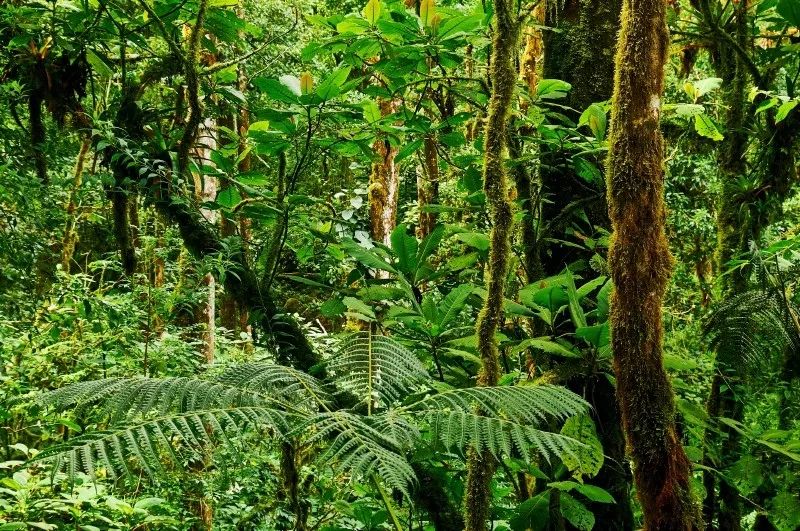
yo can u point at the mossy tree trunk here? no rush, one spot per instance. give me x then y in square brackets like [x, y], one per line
[640, 264]
[579, 51]
[734, 233]
[70, 231]
[481, 465]
[384, 183]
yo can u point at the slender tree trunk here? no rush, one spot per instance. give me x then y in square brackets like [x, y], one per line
[384, 184]
[428, 185]
[733, 236]
[70, 233]
[481, 465]
[640, 264]
[206, 192]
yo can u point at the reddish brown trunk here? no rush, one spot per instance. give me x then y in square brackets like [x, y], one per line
[641, 264]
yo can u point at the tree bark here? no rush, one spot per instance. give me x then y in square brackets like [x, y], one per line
[384, 184]
[70, 234]
[581, 52]
[481, 465]
[427, 185]
[640, 264]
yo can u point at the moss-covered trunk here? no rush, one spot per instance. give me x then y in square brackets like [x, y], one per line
[580, 51]
[70, 232]
[481, 465]
[640, 264]
[734, 233]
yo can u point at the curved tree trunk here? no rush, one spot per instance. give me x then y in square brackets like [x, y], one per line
[640, 264]
[481, 466]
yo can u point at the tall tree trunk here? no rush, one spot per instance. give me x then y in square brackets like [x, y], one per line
[206, 192]
[428, 185]
[733, 236]
[70, 232]
[640, 264]
[581, 52]
[384, 184]
[481, 465]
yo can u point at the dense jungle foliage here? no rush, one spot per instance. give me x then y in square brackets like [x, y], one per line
[400, 264]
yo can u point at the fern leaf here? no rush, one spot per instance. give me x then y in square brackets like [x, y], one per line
[149, 444]
[357, 448]
[377, 369]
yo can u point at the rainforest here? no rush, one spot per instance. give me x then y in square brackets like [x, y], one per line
[404, 265]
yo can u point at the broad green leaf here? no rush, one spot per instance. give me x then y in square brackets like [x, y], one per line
[576, 513]
[790, 11]
[704, 86]
[595, 118]
[705, 127]
[457, 26]
[588, 459]
[358, 308]
[546, 345]
[229, 197]
[331, 86]
[532, 514]
[430, 244]
[405, 151]
[372, 112]
[352, 25]
[597, 335]
[366, 257]
[404, 246]
[552, 88]
[284, 90]
[372, 11]
[475, 240]
[575, 309]
[784, 110]
[453, 303]
[594, 493]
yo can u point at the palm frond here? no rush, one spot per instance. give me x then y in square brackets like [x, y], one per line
[522, 404]
[753, 329]
[123, 398]
[377, 369]
[459, 430]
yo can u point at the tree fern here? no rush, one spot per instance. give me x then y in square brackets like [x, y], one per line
[156, 421]
[356, 446]
[146, 445]
[377, 369]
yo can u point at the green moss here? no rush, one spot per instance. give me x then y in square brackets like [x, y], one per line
[641, 264]
[503, 75]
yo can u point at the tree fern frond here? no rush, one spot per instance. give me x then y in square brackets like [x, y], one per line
[280, 381]
[459, 430]
[752, 329]
[149, 444]
[124, 397]
[377, 369]
[523, 404]
[355, 447]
